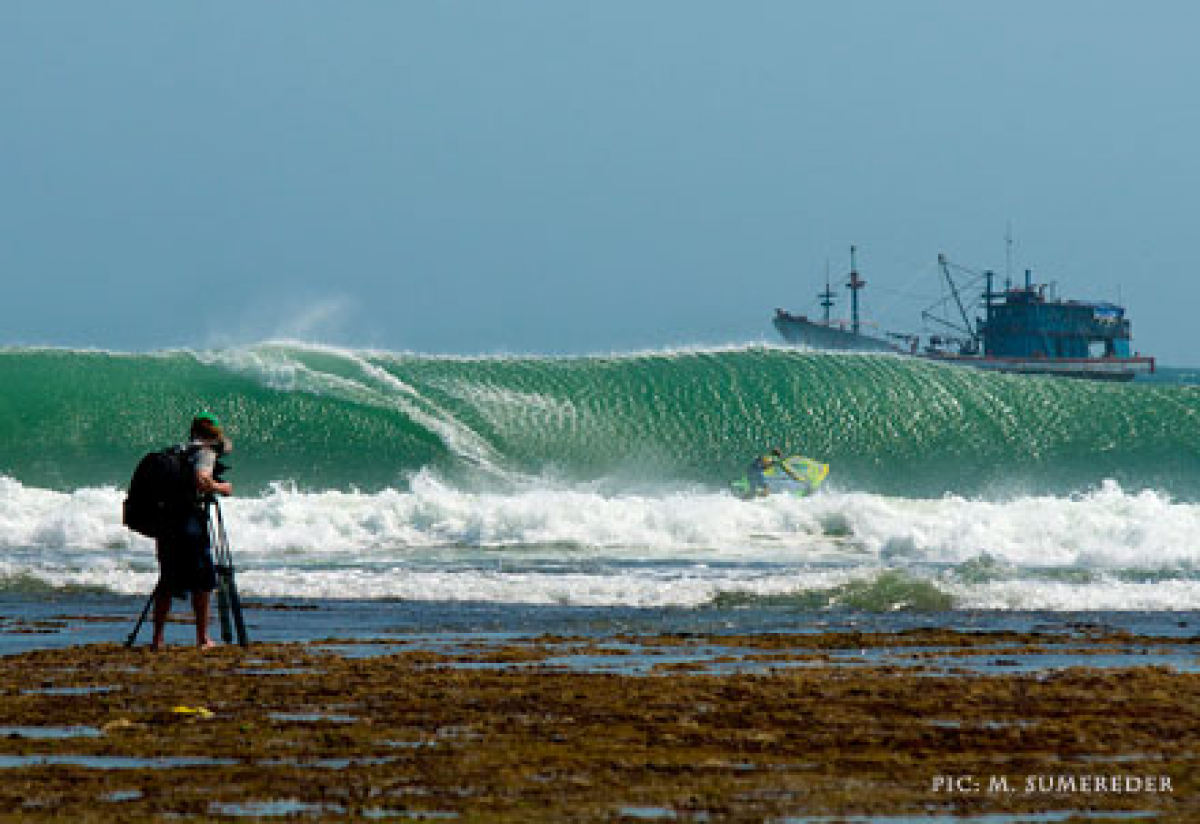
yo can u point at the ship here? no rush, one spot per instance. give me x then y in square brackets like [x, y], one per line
[1025, 328]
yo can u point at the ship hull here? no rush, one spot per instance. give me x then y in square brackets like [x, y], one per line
[1106, 369]
[803, 332]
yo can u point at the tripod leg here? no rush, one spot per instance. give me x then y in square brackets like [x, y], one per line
[235, 606]
[235, 603]
[222, 585]
[129, 642]
[223, 610]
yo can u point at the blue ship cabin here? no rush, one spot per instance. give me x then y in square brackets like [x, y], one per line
[1024, 323]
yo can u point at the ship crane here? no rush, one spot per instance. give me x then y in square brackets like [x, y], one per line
[970, 332]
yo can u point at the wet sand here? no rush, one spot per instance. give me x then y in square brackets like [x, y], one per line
[790, 727]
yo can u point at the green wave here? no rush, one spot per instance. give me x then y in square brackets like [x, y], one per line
[886, 591]
[331, 418]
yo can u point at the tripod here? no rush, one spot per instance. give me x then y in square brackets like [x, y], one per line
[229, 605]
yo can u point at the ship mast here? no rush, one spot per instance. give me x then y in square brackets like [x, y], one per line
[1008, 243]
[826, 296]
[854, 285]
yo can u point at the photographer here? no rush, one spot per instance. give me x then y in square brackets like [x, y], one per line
[184, 549]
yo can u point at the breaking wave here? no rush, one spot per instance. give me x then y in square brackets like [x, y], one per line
[325, 418]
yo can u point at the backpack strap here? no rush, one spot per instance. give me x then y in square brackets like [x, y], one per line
[187, 452]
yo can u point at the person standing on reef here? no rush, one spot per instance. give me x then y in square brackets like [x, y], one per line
[185, 549]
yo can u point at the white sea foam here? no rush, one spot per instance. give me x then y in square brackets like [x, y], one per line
[1104, 594]
[1104, 529]
[554, 545]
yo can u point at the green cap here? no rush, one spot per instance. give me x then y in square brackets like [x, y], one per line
[208, 416]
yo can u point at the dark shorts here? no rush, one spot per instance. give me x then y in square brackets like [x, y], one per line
[185, 558]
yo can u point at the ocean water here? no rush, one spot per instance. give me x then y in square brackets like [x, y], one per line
[538, 485]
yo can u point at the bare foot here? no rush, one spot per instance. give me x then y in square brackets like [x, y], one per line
[207, 643]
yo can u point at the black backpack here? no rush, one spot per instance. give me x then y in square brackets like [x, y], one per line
[162, 488]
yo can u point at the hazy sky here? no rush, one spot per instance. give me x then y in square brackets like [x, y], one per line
[556, 176]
